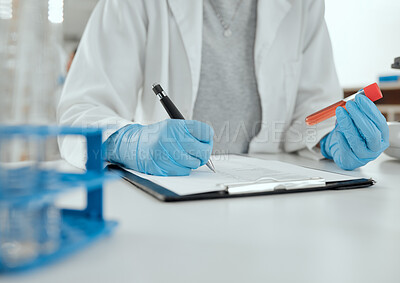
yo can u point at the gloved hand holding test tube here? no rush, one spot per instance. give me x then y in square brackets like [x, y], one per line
[361, 133]
[372, 92]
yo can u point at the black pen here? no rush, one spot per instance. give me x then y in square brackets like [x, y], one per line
[172, 111]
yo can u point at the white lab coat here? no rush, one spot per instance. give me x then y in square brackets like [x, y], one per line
[130, 44]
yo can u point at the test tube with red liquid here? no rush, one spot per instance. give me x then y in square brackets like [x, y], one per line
[372, 92]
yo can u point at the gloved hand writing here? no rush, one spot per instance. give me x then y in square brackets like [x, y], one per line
[361, 134]
[167, 148]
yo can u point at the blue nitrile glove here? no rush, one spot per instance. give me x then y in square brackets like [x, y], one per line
[361, 134]
[167, 148]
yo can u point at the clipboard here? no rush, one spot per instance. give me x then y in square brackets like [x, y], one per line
[259, 187]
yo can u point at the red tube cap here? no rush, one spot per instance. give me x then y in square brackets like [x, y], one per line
[373, 92]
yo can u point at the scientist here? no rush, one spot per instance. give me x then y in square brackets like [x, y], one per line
[251, 70]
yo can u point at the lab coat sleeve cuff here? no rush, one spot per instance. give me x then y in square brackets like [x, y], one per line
[73, 150]
[111, 125]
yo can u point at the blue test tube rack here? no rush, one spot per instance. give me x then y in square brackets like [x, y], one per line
[79, 228]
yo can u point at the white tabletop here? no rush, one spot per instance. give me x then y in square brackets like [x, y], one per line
[332, 236]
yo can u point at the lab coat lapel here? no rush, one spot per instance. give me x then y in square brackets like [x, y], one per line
[189, 18]
[270, 14]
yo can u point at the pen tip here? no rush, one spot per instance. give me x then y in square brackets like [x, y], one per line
[211, 166]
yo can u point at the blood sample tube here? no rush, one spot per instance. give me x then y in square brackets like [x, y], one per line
[372, 92]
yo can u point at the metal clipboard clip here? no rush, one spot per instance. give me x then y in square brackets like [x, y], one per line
[272, 184]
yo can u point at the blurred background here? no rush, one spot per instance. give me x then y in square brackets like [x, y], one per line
[364, 38]
[76, 14]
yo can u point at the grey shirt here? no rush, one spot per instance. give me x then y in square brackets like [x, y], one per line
[228, 99]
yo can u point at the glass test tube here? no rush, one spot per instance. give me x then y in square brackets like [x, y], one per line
[49, 226]
[372, 92]
[29, 49]
[18, 171]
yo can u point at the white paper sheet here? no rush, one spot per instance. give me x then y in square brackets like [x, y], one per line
[235, 168]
